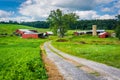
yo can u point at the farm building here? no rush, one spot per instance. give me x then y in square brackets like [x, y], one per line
[25, 33]
[33, 35]
[49, 32]
[88, 32]
[103, 35]
[22, 31]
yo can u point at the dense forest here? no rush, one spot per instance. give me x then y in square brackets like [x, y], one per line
[81, 24]
[101, 24]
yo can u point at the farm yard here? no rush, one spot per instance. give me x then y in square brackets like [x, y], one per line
[20, 59]
[56, 40]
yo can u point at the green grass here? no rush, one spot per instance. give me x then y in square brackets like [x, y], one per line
[20, 59]
[6, 28]
[101, 50]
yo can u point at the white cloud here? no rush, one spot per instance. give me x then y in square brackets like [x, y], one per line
[103, 1]
[75, 4]
[119, 12]
[23, 18]
[106, 9]
[117, 5]
[106, 16]
[41, 8]
[87, 14]
[79, 4]
[36, 8]
[7, 16]
[114, 8]
[93, 15]
[32, 10]
[18, 19]
[5, 13]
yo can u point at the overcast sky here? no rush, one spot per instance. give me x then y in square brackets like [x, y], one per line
[32, 10]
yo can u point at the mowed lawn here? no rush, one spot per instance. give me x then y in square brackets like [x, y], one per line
[105, 51]
[20, 59]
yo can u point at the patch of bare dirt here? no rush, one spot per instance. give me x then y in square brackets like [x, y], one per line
[82, 42]
[51, 68]
[61, 40]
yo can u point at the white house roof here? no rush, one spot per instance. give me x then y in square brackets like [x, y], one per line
[26, 31]
[23, 29]
[49, 32]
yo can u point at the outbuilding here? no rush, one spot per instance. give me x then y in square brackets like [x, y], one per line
[32, 35]
[103, 35]
[49, 33]
[25, 33]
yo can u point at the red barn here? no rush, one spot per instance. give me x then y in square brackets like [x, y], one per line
[25, 33]
[104, 35]
[33, 35]
[30, 35]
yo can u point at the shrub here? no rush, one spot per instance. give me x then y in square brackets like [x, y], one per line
[118, 32]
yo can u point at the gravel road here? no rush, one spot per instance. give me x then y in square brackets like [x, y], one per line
[68, 70]
[107, 72]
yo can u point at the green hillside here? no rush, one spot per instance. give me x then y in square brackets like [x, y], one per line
[10, 28]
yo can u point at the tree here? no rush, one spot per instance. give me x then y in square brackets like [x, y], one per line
[118, 27]
[118, 32]
[60, 22]
[118, 17]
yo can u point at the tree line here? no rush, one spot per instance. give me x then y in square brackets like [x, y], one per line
[36, 24]
[109, 24]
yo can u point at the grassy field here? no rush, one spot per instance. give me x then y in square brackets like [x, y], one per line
[6, 28]
[101, 50]
[20, 59]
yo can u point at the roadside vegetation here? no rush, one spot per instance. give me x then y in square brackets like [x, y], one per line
[20, 59]
[105, 50]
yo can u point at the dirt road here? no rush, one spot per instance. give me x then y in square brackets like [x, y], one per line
[71, 72]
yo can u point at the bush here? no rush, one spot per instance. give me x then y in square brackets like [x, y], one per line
[118, 32]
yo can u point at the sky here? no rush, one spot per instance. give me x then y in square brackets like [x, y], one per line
[34, 10]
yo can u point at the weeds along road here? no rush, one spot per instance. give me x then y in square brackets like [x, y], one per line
[68, 70]
[71, 72]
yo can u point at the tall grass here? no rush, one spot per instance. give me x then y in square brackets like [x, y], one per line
[20, 59]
